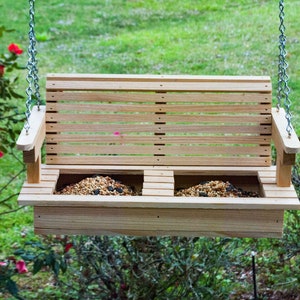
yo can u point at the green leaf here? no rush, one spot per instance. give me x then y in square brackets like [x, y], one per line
[56, 267]
[12, 288]
[19, 252]
[37, 265]
[28, 256]
[63, 265]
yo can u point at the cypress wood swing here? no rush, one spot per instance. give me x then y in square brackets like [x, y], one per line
[173, 131]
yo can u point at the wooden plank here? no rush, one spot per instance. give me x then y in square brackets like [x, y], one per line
[202, 170]
[134, 118]
[159, 86]
[158, 185]
[154, 139]
[280, 136]
[39, 191]
[133, 202]
[31, 156]
[157, 192]
[27, 142]
[282, 194]
[267, 180]
[156, 179]
[34, 171]
[42, 184]
[156, 222]
[155, 172]
[180, 108]
[151, 77]
[166, 128]
[233, 84]
[158, 160]
[168, 149]
[83, 231]
[215, 170]
[195, 97]
[274, 187]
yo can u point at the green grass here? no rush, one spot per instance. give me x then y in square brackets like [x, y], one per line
[190, 37]
[233, 37]
[193, 37]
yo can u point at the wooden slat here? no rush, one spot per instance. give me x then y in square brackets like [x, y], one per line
[267, 203]
[160, 86]
[195, 97]
[187, 170]
[146, 139]
[159, 172]
[158, 160]
[158, 185]
[162, 108]
[166, 179]
[40, 191]
[169, 149]
[157, 192]
[153, 78]
[157, 128]
[194, 118]
[159, 83]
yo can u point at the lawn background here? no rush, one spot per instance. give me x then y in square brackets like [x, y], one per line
[158, 37]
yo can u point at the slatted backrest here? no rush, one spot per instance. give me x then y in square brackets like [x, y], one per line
[158, 120]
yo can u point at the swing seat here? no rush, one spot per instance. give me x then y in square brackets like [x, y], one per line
[159, 134]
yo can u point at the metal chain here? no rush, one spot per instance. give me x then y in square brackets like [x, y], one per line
[283, 91]
[33, 89]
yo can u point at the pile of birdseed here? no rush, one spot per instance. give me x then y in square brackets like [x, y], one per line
[97, 185]
[215, 188]
[107, 186]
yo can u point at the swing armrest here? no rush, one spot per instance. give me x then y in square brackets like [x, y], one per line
[32, 142]
[286, 148]
[289, 145]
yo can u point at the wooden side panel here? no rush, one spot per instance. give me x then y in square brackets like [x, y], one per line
[158, 120]
[143, 221]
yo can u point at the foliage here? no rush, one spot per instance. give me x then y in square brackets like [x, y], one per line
[9, 113]
[168, 268]
[114, 267]
[9, 116]
[8, 269]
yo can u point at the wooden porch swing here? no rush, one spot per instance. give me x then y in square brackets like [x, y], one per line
[157, 133]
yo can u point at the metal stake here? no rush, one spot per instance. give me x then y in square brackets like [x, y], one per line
[254, 276]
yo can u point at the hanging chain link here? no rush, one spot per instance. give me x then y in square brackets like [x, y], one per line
[283, 91]
[33, 89]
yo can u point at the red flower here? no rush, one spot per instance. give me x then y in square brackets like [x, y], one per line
[15, 49]
[1, 154]
[68, 247]
[3, 263]
[21, 266]
[2, 70]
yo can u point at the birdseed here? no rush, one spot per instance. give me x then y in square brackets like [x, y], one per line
[215, 188]
[97, 185]
[107, 186]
